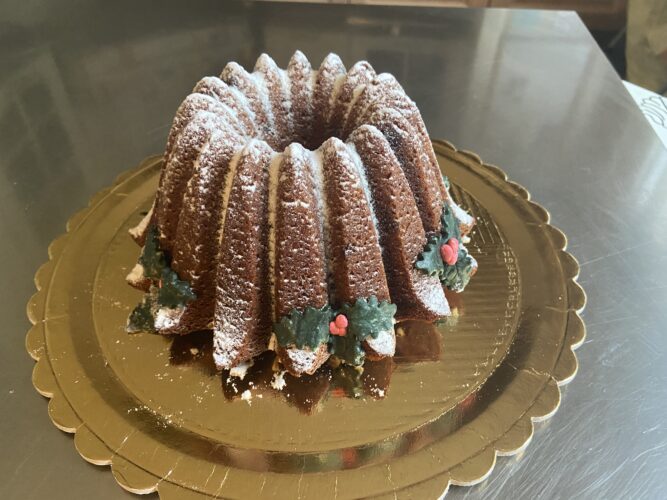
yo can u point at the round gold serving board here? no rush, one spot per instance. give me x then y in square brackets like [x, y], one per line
[456, 395]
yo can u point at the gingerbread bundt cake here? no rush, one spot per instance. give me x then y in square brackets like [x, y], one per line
[298, 210]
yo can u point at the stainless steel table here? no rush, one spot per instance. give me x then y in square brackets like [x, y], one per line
[87, 89]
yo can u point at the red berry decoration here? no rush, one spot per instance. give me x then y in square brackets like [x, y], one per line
[334, 330]
[448, 255]
[454, 243]
[338, 326]
[341, 321]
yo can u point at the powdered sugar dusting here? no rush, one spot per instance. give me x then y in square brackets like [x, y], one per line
[239, 111]
[136, 276]
[264, 96]
[278, 381]
[274, 169]
[241, 370]
[167, 317]
[227, 189]
[364, 184]
[461, 215]
[247, 396]
[384, 344]
[242, 99]
[338, 83]
[356, 95]
[430, 292]
[302, 360]
[140, 229]
[225, 346]
[287, 97]
[316, 164]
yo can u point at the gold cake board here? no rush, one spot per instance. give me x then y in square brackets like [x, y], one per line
[456, 395]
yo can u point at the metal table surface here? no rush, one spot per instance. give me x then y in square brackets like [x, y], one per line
[87, 89]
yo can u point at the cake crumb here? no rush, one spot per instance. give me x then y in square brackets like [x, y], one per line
[247, 396]
[278, 381]
[378, 392]
[240, 370]
[194, 351]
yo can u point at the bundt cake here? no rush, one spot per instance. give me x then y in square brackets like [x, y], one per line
[301, 211]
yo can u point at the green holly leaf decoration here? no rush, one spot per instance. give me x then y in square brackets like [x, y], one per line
[309, 328]
[141, 318]
[445, 179]
[366, 318]
[152, 258]
[450, 226]
[456, 276]
[430, 260]
[173, 291]
[167, 289]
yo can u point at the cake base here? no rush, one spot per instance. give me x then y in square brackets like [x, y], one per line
[456, 395]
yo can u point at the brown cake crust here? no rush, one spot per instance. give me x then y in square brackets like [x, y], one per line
[230, 97]
[300, 75]
[402, 138]
[178, 170]
[188, 110]
[300, 260]
[359, 75]
[235, 76]
[356, 265]
[277, 95]
[194, 104]
[402, 235]
[387, 93]
[243, 306]
[387, 96]
[356, 258]
[331, 70]
[199, 224]
[300, 277]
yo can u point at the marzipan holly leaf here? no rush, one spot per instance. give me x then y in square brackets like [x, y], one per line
[366, 318]
[430, 260]
[141, 318]
[450, 226]
[456, 276]
[152, 258]
[167, 289]
[309, 328]
[174, 292]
